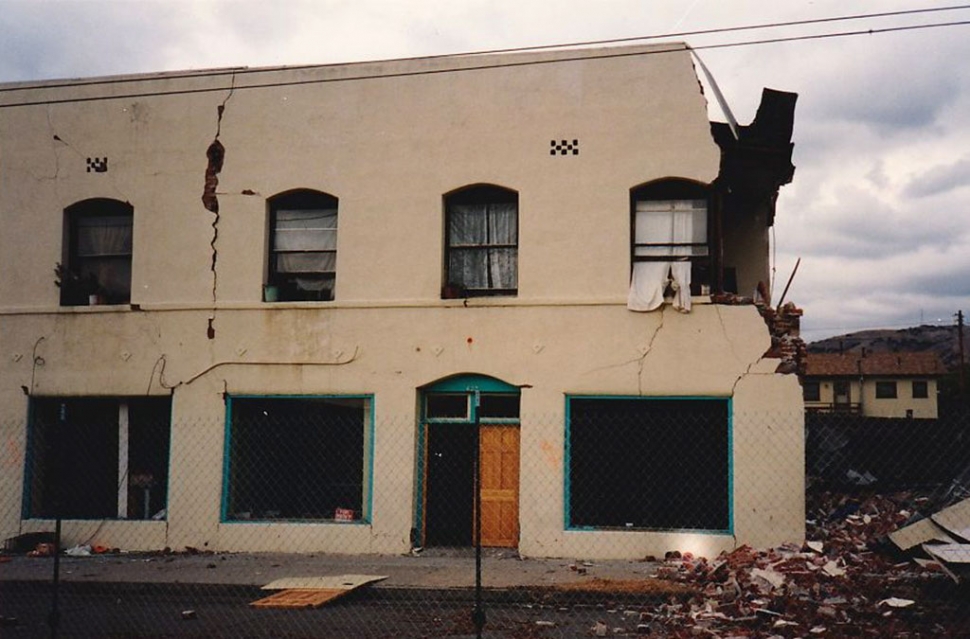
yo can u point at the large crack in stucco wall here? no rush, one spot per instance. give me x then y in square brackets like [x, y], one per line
[215, 156]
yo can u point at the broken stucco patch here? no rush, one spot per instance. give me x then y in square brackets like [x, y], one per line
[216, 154]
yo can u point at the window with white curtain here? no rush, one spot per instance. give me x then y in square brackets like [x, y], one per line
[670, 238]
[303, 247]
[97, 264]
[481, 254]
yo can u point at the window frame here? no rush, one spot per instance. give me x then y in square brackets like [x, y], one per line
[488, 195]
[569, 479]
[924, 386]
[672, 190]
[282, 283]
[77, 274]
[887, 389]
[811, 391]
[367, 461]
[135, 422]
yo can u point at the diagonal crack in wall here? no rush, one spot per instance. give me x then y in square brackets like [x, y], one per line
[642, 359]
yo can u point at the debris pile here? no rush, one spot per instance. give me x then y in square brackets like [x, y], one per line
[784, 325]
[943, 537]
[846, 580]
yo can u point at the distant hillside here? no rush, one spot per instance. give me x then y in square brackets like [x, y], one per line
[941, 339]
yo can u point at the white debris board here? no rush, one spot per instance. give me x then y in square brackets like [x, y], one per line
[919, 533]
[334, 582]
[956, 519]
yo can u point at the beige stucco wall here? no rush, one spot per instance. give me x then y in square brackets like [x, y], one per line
[388, 140]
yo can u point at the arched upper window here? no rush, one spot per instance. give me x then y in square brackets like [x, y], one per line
[669, 242]
[96, 266]
[482, 242]
[302, 246]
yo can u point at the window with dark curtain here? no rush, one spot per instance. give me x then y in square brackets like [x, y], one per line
[481, 254]
[303, 246]
[97, 264]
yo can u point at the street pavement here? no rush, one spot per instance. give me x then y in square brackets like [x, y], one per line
[428, 594]
[431, 569]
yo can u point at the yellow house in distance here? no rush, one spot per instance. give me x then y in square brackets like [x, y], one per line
[873, 384]
[295, 308]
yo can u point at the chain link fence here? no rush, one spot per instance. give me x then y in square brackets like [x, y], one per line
[472, 522]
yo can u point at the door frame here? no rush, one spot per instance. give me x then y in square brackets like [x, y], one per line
[461, 384]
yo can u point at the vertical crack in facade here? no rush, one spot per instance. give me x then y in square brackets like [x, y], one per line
[215, 155]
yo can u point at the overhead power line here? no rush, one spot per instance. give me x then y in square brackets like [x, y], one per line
[234, 72]
[582, 43]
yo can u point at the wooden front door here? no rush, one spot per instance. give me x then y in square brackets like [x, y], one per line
[499, 455]
[459, 415]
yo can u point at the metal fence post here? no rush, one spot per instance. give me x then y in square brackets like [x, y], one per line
[478, 616]
[58, 465]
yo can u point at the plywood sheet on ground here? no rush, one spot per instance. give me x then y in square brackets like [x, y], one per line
[302, 598]
[312, 592]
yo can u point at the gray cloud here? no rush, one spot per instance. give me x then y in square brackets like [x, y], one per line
[939, 179]
[47, 40]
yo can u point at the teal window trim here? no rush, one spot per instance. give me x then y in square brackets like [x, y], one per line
[30, 442]
[368, 500]
[470, 382]
[567, 457]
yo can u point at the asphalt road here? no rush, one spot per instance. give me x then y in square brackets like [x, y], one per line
[193, 610]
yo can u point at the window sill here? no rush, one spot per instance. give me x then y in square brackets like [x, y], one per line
[45, 521]
[419, 303]
[97, 308]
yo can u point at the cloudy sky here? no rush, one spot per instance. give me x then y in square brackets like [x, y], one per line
[879, 211]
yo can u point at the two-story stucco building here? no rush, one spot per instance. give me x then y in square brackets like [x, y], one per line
[902, 384]
[281, 309]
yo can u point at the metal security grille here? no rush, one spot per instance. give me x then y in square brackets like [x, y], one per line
[113, 533]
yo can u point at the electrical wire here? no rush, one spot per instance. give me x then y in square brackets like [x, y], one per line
[582, 43]
[428, 72]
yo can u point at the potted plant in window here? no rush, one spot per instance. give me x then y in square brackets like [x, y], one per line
[77, 289]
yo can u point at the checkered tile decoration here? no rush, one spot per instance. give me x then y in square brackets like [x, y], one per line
[564, 147]
[98, 165]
